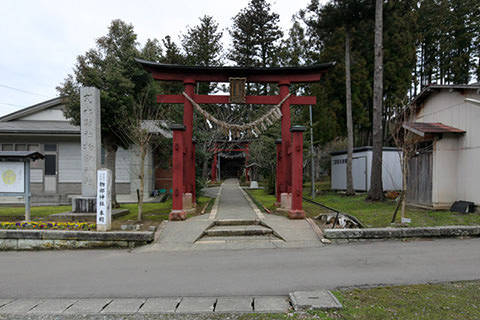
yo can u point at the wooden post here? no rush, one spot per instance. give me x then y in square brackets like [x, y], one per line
[247, 153]
[279, 173]
[27, 190]
[189, 166]
[286, 178]
[297, 173]
[214, 164]
[177, 212]
[194, 176]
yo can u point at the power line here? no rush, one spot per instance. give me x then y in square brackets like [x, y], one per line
[21, 90]
[10, 104]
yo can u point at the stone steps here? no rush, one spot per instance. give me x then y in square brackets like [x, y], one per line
[237, 230]
[236, 222]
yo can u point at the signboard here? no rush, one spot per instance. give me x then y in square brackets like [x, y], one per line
[237, 90]
[12, 177]
[104, 200]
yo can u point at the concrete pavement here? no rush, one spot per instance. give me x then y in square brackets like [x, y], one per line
[133, 274]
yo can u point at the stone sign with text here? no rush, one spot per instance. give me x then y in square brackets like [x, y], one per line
[104, 200]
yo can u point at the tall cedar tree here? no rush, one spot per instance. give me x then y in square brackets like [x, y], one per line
[345, 14]
[203, 46]
[256, 36]
[256, 42]
[448, 47]
[111, 68]
[376, 184]
[326, 38]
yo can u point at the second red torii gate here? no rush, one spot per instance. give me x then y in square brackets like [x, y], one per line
[184, 149]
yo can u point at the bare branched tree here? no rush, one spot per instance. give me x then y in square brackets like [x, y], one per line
[406, 142]
[141, 129]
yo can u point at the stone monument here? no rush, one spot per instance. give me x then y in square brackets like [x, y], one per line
[91, 147]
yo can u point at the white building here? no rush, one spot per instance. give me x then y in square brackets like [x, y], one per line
[44, 128]
[446, 168]
[362, 169]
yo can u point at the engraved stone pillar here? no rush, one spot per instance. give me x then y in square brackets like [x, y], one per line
[90, 138]
[91, 147]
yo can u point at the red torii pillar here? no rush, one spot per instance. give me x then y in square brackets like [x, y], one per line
[296, 211]
[285, 181]
[177, 212]
[247, 153]
[189, 159]
[279, 173]
[214, 164]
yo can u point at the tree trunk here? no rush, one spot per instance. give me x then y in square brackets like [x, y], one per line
[376, 186]
[141, 176]
[348, 86]
[404, 180]
[205, 169]
[110, 163]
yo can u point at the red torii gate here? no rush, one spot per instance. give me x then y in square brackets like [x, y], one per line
[242, 147]
[289, 155]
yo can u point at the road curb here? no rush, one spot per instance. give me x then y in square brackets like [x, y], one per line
[399, 233]
[66, 239]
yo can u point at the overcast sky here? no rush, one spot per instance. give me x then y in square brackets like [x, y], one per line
[40, 39]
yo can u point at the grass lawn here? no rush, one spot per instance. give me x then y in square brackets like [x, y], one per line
[371, 214]
[18, 213]
[153, 213]
[158, 211]
[459, 300]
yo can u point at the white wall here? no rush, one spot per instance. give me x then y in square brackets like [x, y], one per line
[444, 171]
[392, 170]
[135, 171]
[46, 115]
[456, 173]
[123, 166]
[362, 170]
[69, 162]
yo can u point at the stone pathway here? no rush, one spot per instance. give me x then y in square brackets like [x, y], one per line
[233, 204]
[105, 307]
[234, 223]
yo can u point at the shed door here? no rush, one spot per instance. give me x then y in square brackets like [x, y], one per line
[359, 169]
[419, 179]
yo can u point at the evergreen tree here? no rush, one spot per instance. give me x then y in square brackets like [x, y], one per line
[448, 41]
[202, 44]
[110, 67]
[256, 36]
[203, 47]
[376, 184]
[294, 49]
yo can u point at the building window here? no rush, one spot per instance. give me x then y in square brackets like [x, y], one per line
[37, 164]
[7, 147]
[20, 147]
[50, 147]
[50, 164]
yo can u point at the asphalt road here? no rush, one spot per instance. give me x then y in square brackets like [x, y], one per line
[121, 273]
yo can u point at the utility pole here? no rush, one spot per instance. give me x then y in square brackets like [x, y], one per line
[312, 155]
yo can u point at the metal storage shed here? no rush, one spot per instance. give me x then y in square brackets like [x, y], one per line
[362, 168]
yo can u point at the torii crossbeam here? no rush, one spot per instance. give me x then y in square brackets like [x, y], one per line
[289, 159]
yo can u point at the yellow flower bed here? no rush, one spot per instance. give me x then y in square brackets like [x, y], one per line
[48, 225]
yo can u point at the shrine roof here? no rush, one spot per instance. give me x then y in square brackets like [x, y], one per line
[174, 72]
[422, 128]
